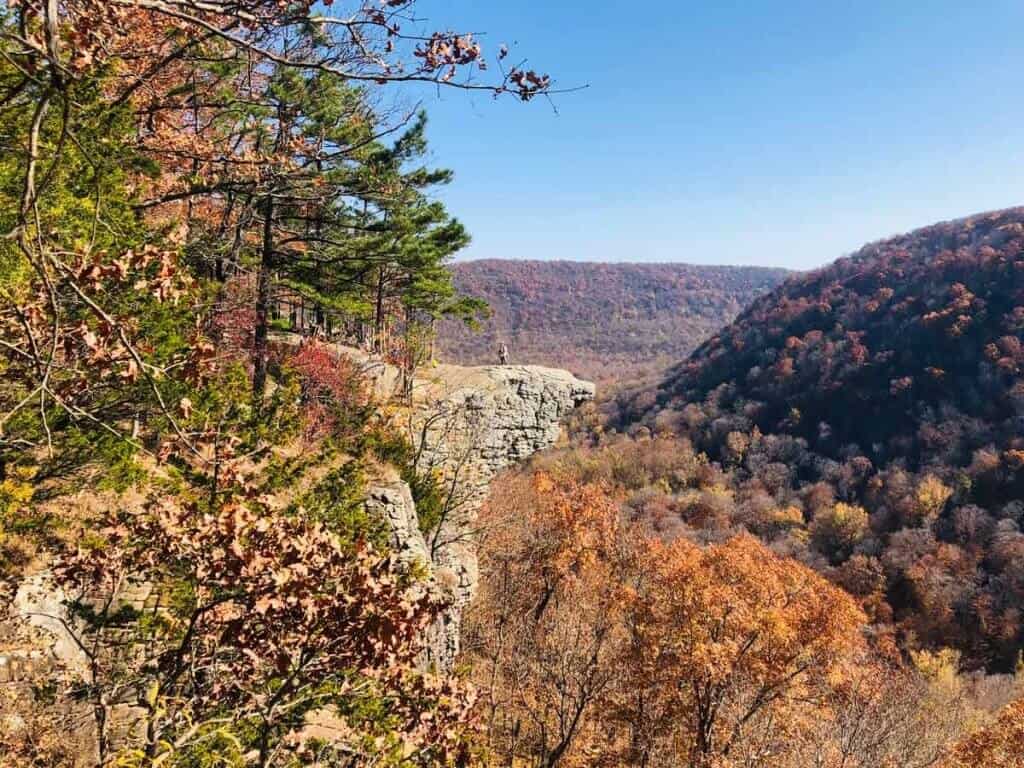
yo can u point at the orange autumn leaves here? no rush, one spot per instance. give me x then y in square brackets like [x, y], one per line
[725, 635]
[265, 620]
[596, 645]
[583, 524]
[1001, 745]
[543, 633]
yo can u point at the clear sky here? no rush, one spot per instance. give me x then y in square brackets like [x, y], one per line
[729, 131]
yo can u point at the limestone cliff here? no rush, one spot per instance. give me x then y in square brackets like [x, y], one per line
[467, 424]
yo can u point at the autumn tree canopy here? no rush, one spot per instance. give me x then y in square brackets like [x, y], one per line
[594, 644]
[724, 641]
[1000, 745]
[236, 134]
[181, 179]
[875, 404]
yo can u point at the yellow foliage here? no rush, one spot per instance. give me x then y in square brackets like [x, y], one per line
[932, 495]
[791, 515]
[840, 529]
[850, 515]
[1001, 745]
[15, 493]
[940, 667]
[720, 491]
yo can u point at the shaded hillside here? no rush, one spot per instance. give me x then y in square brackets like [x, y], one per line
[600, 320]
[870, 350]
[867, 417]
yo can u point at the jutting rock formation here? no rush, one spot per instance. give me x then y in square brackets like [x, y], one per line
[468, 424]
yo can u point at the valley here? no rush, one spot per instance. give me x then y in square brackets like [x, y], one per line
[862, 420]
[605, 322]
[293, 475]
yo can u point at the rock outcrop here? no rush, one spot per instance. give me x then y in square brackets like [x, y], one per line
[392, 501]
[468, 424]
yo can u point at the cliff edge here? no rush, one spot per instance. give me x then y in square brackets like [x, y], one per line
[467, 424]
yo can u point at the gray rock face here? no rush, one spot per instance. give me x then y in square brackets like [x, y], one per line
[40, 639]
[467, 425]
[41, 604]
[511, 412]
[393, 502]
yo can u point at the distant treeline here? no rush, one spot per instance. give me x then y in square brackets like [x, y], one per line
[603, 321]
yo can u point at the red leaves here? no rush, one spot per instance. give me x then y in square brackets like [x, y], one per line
[333, 387]
[529, 83]
[97, 31]
[291, 588]
[445, 53]
[999, 745]
[149, 270]
[95, 346]
[900, 385]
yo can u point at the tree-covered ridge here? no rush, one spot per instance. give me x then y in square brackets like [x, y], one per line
[866, 418]
[190, 573]
[600, 320]
[599, 639]
[865, 348]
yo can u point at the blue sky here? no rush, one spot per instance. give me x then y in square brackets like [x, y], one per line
[768, 133]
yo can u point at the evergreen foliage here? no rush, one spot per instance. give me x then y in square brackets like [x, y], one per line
[175, 179]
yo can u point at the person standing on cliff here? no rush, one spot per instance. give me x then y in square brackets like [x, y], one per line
[503, 354]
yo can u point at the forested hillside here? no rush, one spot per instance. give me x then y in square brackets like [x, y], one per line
[867, 418]
[843, 461]
[241, 519]
[601, 638]
[603, 321]
[191, 573]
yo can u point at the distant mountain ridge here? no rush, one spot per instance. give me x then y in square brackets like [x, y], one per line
[600, 320]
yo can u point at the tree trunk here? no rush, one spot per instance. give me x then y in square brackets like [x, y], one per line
[264, 296]
[378, 323]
